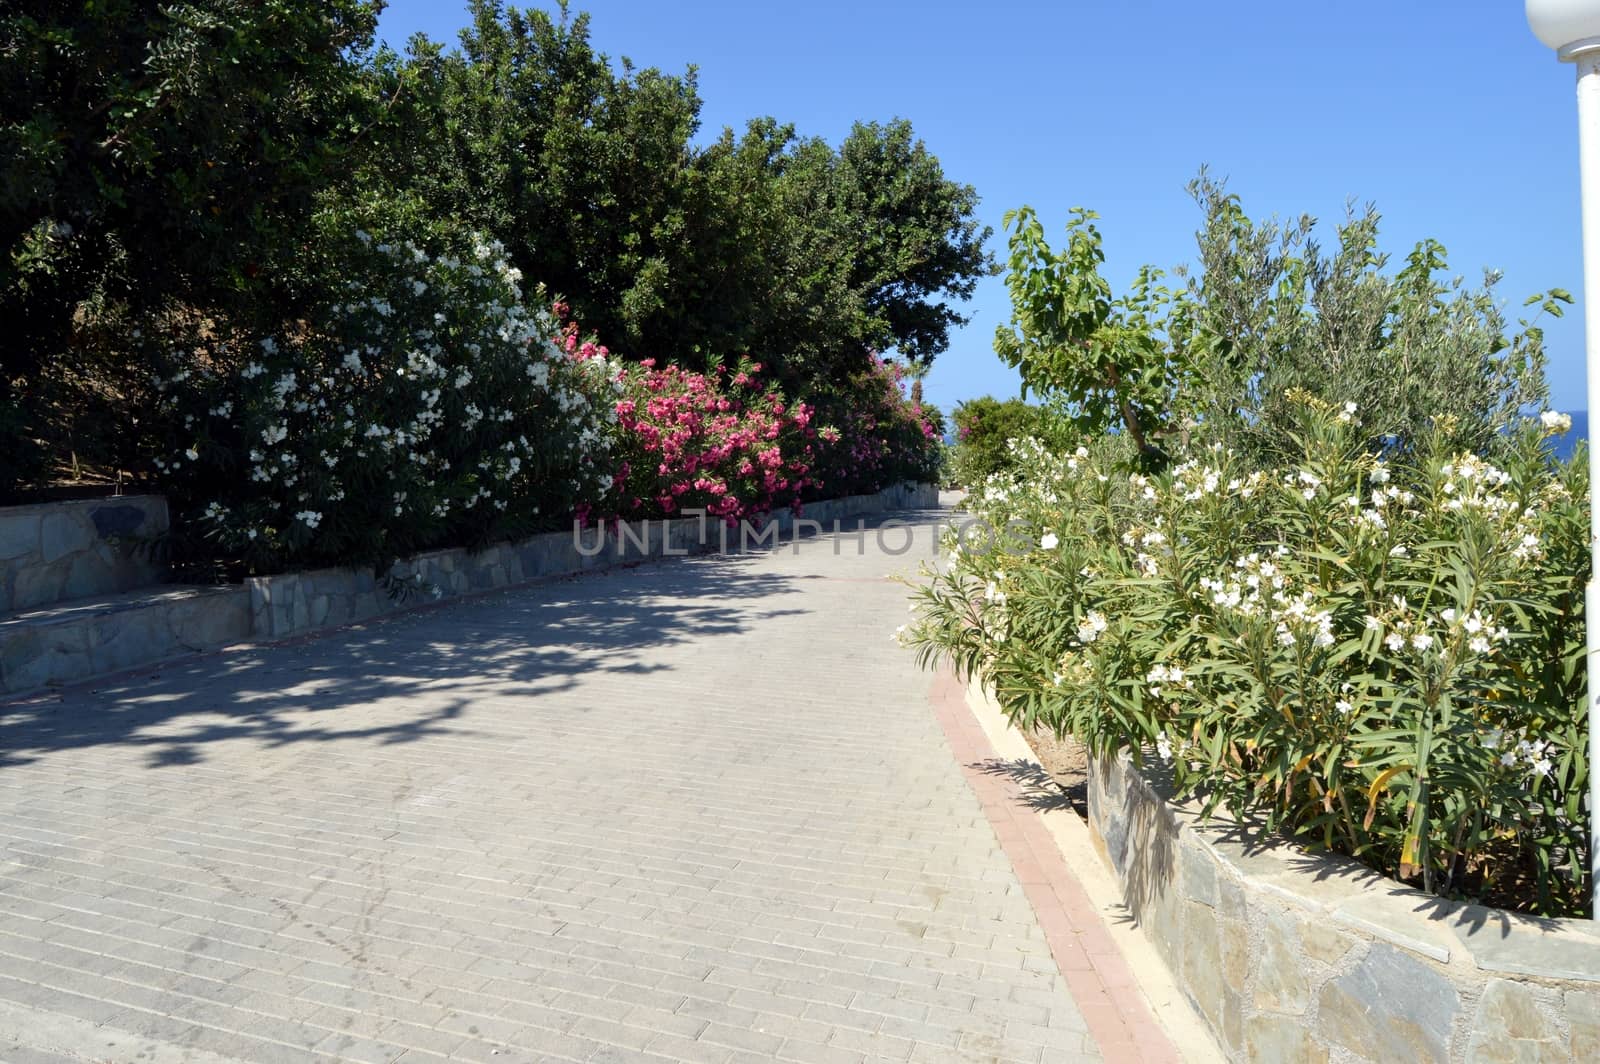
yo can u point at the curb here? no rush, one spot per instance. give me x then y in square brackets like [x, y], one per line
[1119, 1000]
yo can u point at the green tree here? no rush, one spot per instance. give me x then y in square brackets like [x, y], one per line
[764, 243]
[152, 156]
[1267, 313]
[526, 133]
[1109, 362]
[887, 245]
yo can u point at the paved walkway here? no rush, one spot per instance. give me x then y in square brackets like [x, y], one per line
[693, 811]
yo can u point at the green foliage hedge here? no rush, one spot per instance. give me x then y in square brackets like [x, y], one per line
[984, 429]
[1383, 657]
[1313, 553]
[180, 162]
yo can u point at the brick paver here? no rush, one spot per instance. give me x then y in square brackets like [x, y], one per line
[695, 811]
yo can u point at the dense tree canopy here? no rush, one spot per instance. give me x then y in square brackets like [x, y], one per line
[765, 243]
[151, 155]
[182, 159]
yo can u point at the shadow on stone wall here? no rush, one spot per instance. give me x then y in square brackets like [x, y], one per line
[1297, 955]
[1142, 845]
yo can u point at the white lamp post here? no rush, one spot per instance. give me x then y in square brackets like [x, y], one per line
[1572, 28]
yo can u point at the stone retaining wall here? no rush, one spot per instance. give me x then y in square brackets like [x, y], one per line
[100, 635]
[1291, 956]
[286, 605]
[57, 551]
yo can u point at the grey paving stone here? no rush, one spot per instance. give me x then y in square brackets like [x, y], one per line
[691, 811]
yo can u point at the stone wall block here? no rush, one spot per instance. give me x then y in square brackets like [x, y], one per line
[39, 585]
[19, 535]
[1199, 872]
[1390, 1007]
[19, 655]
[1583, 1025]
[1510, 1028]
[64, 532]
[207, 619]
[1161, 915]
[88, 573]
[1201, 962]
[1281, 983]
[128, 638]
[1322, 942]
[365, 605]
[1511, 943]
[45, 656]
[1281, 1039]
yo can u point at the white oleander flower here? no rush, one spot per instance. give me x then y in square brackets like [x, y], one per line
[1555, 422]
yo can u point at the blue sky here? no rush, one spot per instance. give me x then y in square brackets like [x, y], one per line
[1450, 116]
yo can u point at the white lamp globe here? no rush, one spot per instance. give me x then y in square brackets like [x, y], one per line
[1560, 24]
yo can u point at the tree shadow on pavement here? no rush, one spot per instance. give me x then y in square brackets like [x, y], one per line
[521, 643]
[1040, 791]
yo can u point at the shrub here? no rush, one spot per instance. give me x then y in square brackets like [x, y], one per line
[161, 162]
[984, 426]
[1383, 657]
[872, 436]
[428, 406]
[732, 448]
[1268, 313]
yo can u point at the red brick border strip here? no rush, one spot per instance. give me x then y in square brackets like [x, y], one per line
[1098, 977]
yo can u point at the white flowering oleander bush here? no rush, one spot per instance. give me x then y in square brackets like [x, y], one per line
[428, 405]
[1383, 659]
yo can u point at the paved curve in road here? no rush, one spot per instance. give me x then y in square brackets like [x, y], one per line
[690, 811]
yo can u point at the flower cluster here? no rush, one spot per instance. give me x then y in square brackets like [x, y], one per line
[872, 436]
[1404, 628]
[1535, 756]
[429, 404]
[1165, 674]
[726, 443]
[1257, 588]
